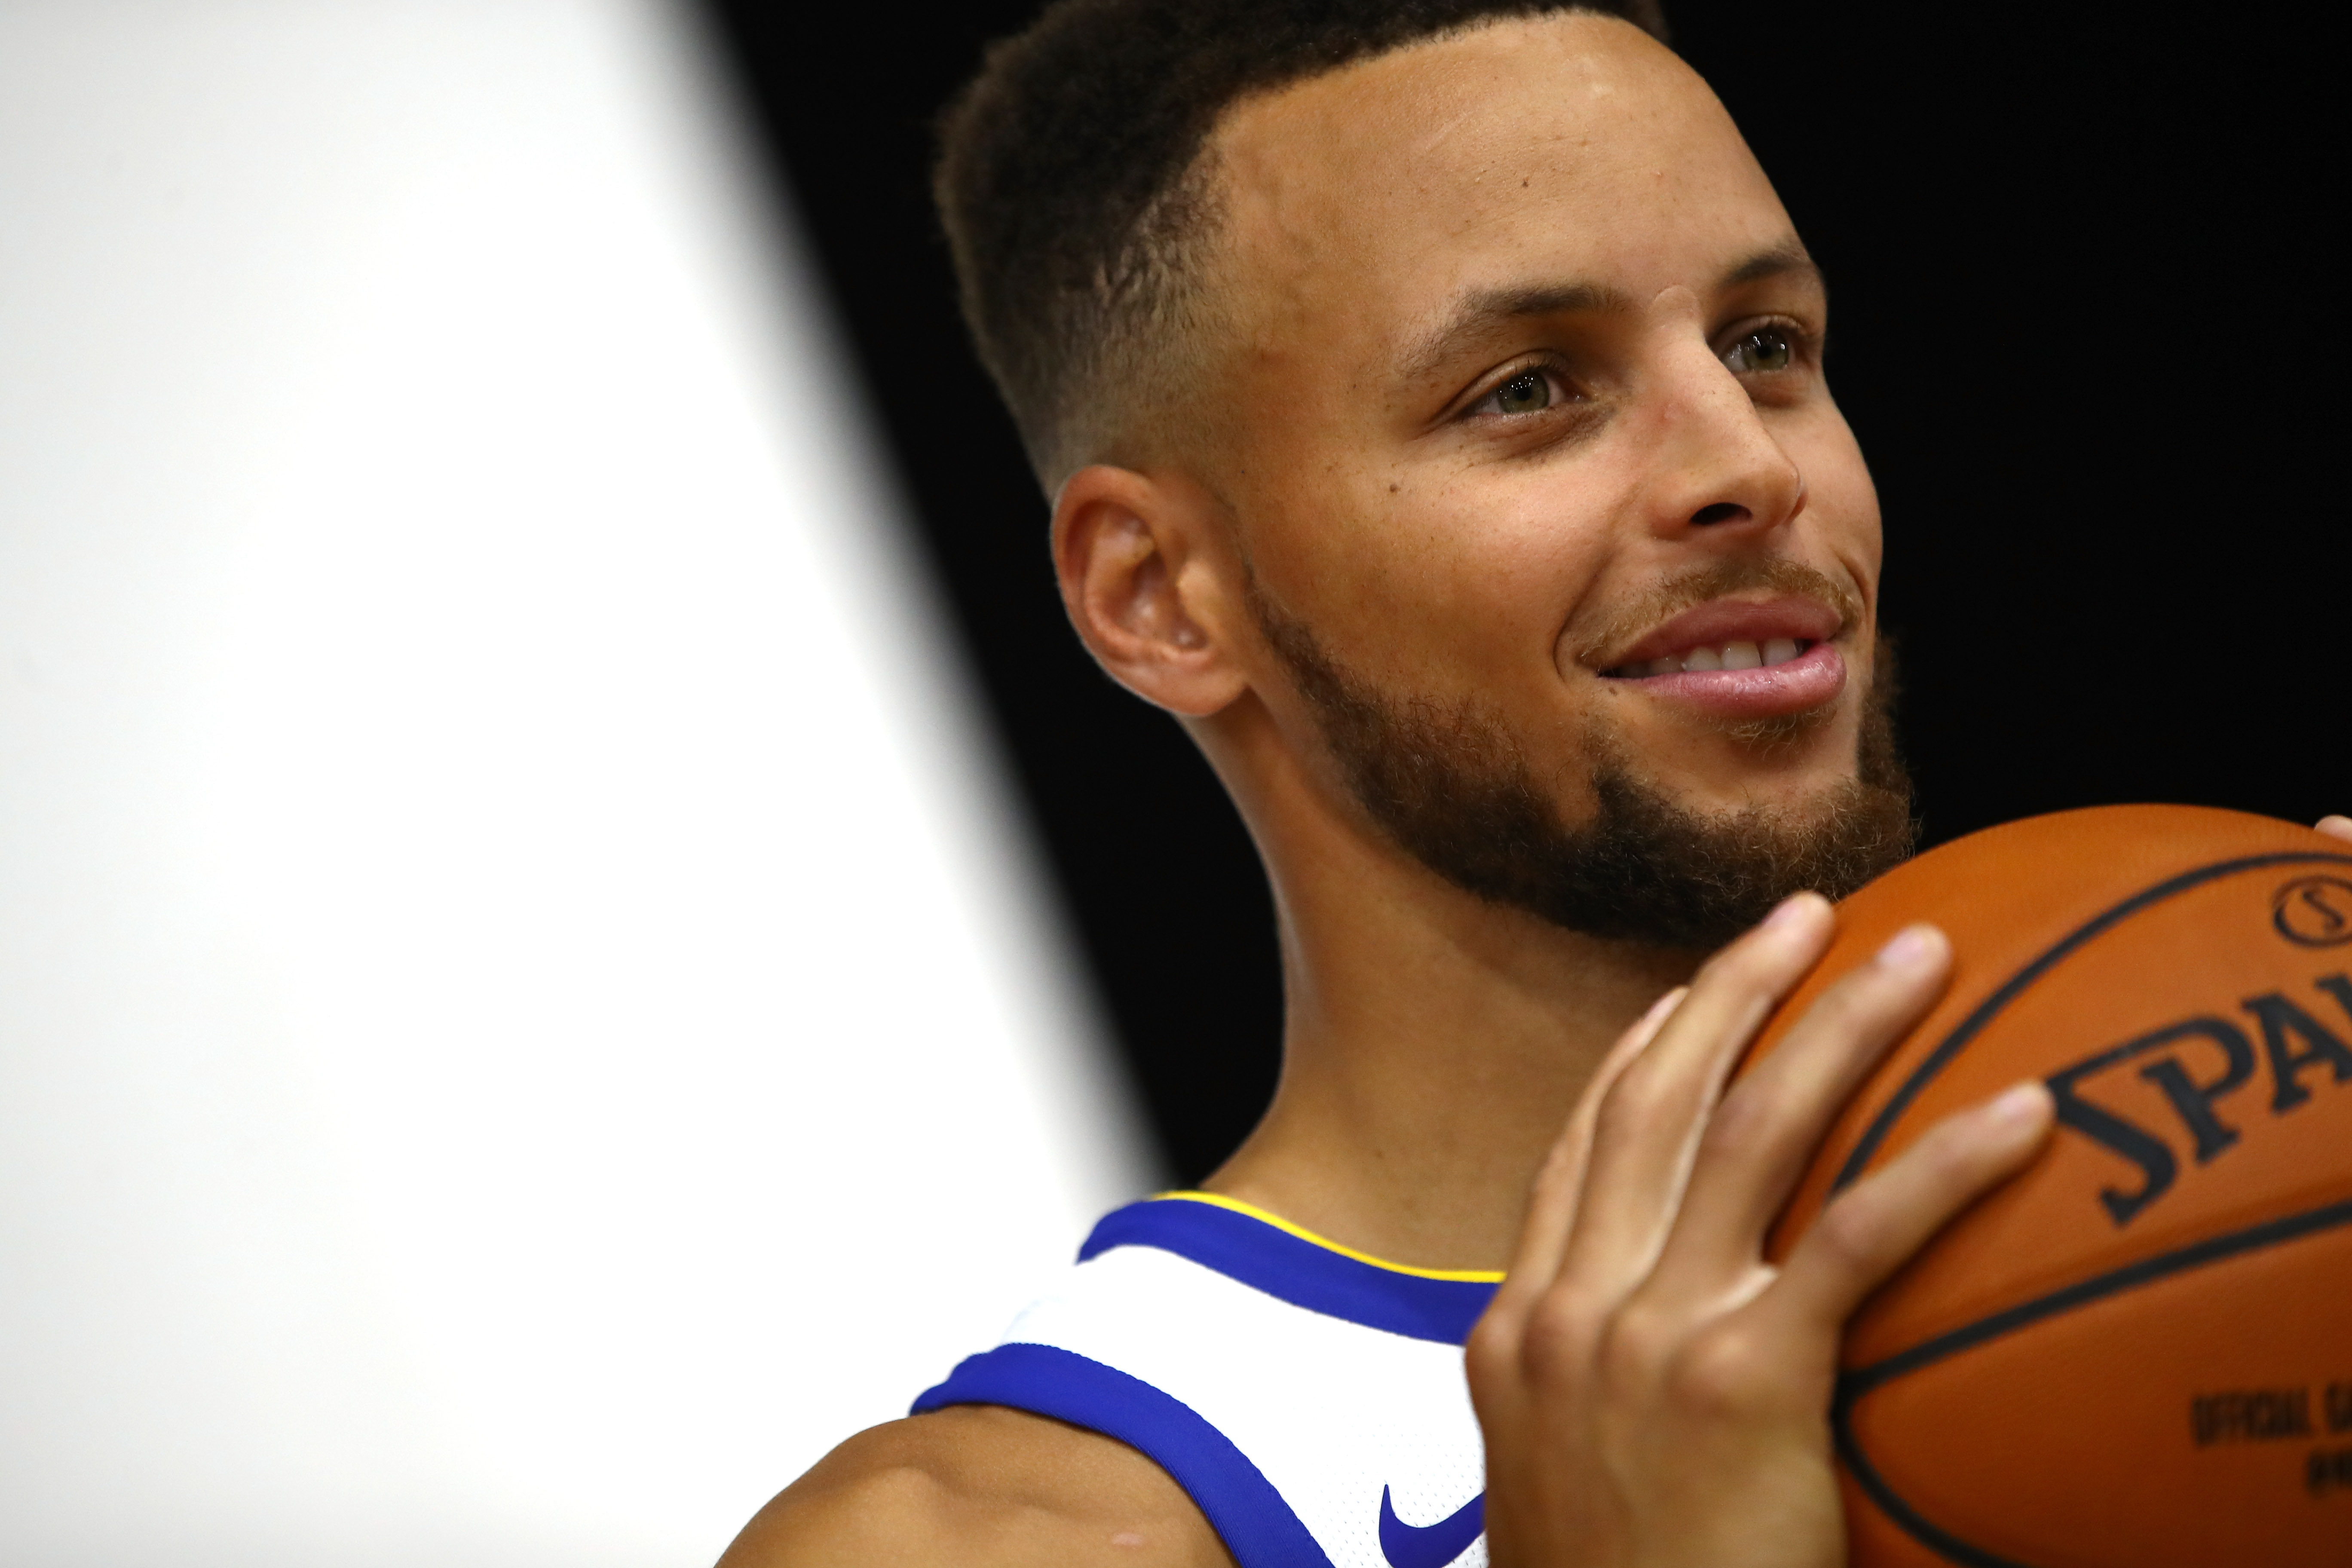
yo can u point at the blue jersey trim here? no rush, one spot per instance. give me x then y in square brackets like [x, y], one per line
[1296, 1271]
[1257, 1526]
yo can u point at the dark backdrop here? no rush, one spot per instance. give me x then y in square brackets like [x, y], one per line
[2085, 328]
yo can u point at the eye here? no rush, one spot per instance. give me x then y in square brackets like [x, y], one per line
[1765, 349]
[1529, 392]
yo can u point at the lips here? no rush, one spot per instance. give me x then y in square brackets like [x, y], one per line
[1740, 658]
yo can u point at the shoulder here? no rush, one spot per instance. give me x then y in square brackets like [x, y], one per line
[981, 1484]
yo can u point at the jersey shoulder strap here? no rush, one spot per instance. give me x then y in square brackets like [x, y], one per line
[1309, 1398]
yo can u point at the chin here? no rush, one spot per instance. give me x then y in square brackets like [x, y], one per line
[1723, 763]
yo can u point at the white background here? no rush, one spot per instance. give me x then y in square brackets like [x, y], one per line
[524, 1015]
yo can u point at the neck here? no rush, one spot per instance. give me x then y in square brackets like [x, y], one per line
[1433, 1043]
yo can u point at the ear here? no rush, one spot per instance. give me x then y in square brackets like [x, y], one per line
[1137, 560]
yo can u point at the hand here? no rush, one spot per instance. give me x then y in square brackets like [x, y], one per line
[1653, 1393]
[2336, 827]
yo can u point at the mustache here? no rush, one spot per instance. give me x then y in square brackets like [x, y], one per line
[1773, 574]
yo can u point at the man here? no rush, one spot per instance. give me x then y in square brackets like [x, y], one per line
[1431, 400]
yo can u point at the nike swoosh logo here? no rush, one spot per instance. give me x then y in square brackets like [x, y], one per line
[1430, 1545]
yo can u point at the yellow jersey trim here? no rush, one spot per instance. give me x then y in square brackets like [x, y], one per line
[1467, 1275]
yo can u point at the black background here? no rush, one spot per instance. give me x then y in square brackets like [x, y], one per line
[2085, 327]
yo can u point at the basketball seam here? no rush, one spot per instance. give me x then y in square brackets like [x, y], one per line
[2212, 1249]
[1969, 1027]
[1854, 1385]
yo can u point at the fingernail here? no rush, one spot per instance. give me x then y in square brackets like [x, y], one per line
[2019, 1102]
[1913, 947]
[1794, 908]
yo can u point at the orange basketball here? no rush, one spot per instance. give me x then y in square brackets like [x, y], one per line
[2137, 1353]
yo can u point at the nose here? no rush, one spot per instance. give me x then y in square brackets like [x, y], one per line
[1717, 471]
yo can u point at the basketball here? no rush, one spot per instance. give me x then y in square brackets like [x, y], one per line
[2138, 1352]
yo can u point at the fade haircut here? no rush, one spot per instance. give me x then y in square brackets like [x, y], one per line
[1077, 203]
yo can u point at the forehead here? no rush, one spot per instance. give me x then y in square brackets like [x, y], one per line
[1569, 149]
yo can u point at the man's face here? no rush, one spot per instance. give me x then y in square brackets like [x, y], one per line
[1525, 436]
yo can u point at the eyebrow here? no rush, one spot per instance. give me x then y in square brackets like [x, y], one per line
[1482, 310]
[1780, 261]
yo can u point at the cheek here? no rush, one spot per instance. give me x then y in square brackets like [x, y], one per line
[1490, 570]
[1842, 500]
[1438, 583]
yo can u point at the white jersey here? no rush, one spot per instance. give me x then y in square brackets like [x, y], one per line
[1311, 1400]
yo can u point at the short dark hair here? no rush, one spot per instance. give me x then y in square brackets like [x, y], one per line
[1071, 187]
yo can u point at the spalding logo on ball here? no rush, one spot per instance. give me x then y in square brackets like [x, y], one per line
[2137, 1353]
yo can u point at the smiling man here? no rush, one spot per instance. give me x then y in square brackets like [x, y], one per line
[1432, 403]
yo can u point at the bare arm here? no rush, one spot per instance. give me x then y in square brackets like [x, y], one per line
[980, 1486]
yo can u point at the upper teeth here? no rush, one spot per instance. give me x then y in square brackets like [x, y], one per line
[1731, 656]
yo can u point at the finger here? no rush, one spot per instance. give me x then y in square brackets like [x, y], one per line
[1875, 1226]
[1647, 1126]
[2336, 827]
[1551, 1207]
[1771, 1120]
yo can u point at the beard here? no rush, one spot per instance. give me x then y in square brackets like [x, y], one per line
[1450, 785]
